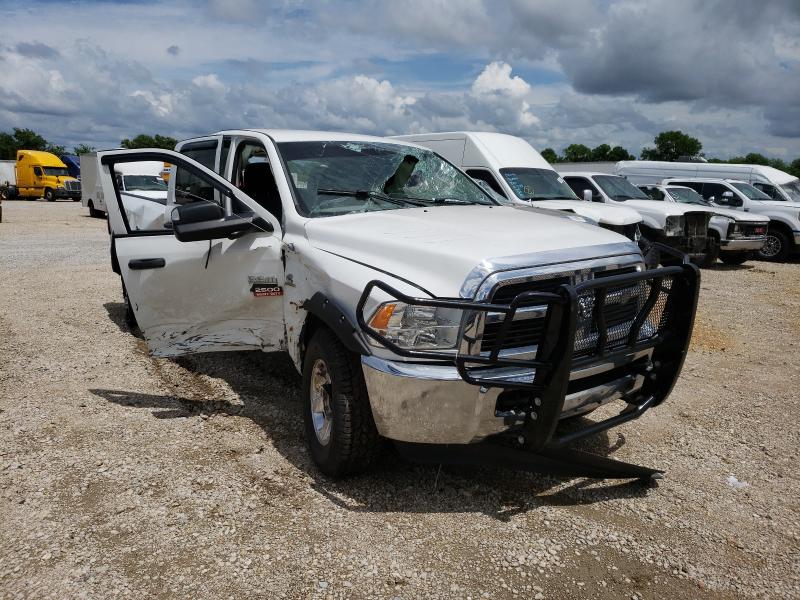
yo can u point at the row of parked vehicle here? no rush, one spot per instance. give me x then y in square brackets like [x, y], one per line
[449, 293]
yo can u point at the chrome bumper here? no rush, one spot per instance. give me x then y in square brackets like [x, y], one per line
[433, 404]
[737, 245]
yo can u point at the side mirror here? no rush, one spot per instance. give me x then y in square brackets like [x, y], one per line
[207, 221]
[587, 195]
[727, 195]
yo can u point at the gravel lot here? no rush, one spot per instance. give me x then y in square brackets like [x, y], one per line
[127, 476]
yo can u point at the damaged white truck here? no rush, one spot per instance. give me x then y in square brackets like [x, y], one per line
[414, 306]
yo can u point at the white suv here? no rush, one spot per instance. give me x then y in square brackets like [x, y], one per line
[414, 306]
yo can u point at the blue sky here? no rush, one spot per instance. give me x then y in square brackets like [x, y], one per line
[554, 72]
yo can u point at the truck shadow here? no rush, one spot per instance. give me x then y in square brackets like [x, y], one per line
[267, 390]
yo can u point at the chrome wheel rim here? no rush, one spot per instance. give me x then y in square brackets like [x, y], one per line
[320, 396]
[772, 246]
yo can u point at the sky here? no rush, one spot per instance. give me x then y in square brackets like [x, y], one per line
[554, 72]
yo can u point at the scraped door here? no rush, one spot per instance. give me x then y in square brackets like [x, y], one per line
[202, 296]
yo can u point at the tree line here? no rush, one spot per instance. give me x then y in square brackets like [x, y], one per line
[27, 139]
[667, 145]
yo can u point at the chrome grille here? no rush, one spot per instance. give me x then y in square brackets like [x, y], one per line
[622, 305]
[73, 185]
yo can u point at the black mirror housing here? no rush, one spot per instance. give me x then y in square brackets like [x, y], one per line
[196, 212]
[216, 229]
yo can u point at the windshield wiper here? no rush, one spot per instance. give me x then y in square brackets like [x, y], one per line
[367, 194]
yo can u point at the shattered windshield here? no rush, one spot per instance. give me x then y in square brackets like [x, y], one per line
[337, 178]
[538, 184]
[619, 188]
[687, 195]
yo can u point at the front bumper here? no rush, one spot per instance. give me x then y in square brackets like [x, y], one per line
[579, 362]
[741, 245]
[64, 193]
[433, 404]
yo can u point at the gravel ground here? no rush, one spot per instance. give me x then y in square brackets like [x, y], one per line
[127, 476]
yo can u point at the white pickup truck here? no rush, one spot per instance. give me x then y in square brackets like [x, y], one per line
[680, 226]
[512, 168]
[734, 235]
[414, 306]
[783, 234]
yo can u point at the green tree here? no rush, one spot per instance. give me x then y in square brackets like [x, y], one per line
[671, 145]
[600, 153]
[150, 141]
[618, 153]
[83, 149]
[550, 155]
[577, 153]
[21, 139]
[794, 167]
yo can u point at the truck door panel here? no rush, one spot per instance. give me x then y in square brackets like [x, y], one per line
[202, 296]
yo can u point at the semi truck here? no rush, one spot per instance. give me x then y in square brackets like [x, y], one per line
[39, 174]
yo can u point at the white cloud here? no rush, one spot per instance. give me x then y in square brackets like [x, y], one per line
[209, 82]
[496, 79]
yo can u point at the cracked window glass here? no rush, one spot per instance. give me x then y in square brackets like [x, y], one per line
[335, 178]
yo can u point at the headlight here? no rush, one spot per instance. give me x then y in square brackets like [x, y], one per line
[637, 233]
[417, 327]
[675, 225]
[60, 187]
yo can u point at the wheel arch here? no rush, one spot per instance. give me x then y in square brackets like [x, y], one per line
[783, 228]
[322, 312]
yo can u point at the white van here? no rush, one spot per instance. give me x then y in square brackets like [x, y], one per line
[777, 184]
[516, 171]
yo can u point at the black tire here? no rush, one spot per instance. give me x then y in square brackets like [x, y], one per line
[352, 444]
[776, 247]
[93, 212]
[711, 253]
[130, 317]
[4, 194]
[49, 195]
[734, 258]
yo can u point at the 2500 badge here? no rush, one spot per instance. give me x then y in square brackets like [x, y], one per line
[264, 286]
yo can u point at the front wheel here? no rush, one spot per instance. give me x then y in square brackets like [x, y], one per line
[93, 212]
[340, 430]
[49, 195]
[776, 246]
[734, 258]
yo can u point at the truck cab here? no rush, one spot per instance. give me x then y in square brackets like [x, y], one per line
[415, 307]
[734, 235]
[679, 226]
[783, 233]
[43, 175]
[512, 168]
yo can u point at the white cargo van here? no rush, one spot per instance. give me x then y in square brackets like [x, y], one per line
[516, 171]
[777, 184]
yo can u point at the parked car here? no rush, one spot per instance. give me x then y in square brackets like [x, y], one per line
[734, 235]
[783, 234]
[413, 305]
[680, 226]
[515, 170]
[41, 175]
[777, 184]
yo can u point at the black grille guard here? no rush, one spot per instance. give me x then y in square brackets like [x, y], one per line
[671, 300]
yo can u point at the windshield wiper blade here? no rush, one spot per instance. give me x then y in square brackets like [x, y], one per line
[366, 194]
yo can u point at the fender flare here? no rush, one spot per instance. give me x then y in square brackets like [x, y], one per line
[327, 311]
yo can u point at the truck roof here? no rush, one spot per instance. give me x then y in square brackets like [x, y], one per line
[302, 135]
[770, 173]
[45, 159]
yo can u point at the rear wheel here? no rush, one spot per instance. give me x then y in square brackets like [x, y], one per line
[340, 430]
[776, 246]
[49, 195]
[734, 258]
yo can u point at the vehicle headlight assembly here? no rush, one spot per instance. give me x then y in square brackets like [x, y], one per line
[417, 327]
[675, 225]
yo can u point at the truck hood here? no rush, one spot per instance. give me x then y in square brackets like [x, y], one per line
[792, 207]
[659, 207]
[598, 212]
[738, 215]
[437, 247]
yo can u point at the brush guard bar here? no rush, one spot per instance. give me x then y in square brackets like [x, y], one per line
[663, 322]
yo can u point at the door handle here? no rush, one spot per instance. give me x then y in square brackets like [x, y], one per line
[139, 264]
